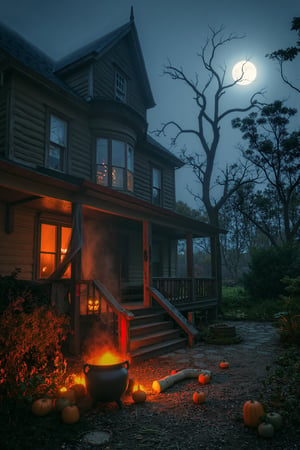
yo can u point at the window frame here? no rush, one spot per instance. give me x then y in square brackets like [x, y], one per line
[127, 173]
[155, 188]
[120, 87]
[63, 148]
[57, 251]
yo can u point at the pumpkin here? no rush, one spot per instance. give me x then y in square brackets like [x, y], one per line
[67, 393]
[173, 372]
[42, 406]
[224, 364]
[274, 419]
[252, 412]
[79, 390]
[61, 403]
[70, 414]
[266, 430]
[199, 397]
[139, 396]
[203, 378]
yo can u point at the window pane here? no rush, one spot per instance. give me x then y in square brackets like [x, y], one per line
[102, 151]
[129, 181]
[58, 131]
[65, 239]
[118, 154]
[55, 158]
[130, 158]
[47, 264]
[102, 175]
[117, 177]
[156, 196]
[156, 178]
[48, 238]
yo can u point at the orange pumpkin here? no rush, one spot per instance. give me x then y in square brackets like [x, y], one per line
[252, 412]
[67, 393]
[70, 414]
[199, 397]
[60, 403]
[42, 406]
[204, 378]
[224, 364]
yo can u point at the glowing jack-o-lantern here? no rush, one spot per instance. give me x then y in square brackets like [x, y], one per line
[93, 305]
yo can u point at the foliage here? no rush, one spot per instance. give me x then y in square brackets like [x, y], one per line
[281, 388]
[268, 267]
[30, 349]
[289, 320]
[275, 152]
[289, 54]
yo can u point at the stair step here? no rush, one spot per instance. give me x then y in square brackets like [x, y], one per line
[149, 328]
[150, 351]
[142, 319]
[154, 338]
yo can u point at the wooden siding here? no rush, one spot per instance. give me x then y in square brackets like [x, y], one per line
[3, 121]
[79, 81]
[81, 156]
[119, 58]
[16, 248]
[143, 165]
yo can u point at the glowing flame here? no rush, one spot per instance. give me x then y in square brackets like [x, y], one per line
[138, 387]
[106, 359]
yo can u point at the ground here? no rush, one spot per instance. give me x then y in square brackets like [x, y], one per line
[170, 420]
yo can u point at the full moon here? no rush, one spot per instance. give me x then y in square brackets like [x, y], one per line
[244, 71]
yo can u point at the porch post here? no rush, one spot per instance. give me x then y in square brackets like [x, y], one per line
[190, 261]
[215, 270]
[147, 262]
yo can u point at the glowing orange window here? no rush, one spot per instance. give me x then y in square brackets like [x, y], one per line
[54, 245]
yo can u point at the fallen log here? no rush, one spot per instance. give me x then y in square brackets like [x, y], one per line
[168, 381]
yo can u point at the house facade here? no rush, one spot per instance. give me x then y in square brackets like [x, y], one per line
[87, 197]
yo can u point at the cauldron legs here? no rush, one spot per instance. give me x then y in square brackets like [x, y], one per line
[119, 403]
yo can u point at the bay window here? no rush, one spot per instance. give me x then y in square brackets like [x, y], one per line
[114, 164]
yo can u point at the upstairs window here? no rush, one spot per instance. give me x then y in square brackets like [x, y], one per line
[54, 241]
[114, 164]
[120, 87]
[156, 187]
[58, 144]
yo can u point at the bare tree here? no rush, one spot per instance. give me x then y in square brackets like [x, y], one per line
[208, 93]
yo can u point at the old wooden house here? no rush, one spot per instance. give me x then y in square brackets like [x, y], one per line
[87, 197]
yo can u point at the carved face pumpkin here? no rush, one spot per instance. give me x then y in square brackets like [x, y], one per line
[93, 305]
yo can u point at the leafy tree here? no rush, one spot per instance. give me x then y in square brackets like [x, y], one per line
[275, 151]
[208, 93]
[282, 56]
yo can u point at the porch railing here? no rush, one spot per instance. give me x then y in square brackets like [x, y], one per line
[186, 291]
[113, 316]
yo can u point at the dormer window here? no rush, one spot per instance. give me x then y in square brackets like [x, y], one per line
[120, 87]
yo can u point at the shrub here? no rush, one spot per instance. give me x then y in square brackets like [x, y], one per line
[30, 349]
[268, 268]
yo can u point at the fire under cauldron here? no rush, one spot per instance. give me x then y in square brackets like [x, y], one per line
[106, 383]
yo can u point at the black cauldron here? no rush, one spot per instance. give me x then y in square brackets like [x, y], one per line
[106, 383]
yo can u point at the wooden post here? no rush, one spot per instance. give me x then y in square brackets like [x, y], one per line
[147, 262]
[123, 335]
[75, 304]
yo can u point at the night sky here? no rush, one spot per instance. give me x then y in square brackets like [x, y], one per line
[175, 30]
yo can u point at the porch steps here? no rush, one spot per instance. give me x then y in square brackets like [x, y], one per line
[152, 333]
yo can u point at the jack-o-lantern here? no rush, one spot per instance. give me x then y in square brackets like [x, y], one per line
[93, 305]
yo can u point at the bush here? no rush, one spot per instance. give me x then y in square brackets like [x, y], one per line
[268, 267]
[30, 349]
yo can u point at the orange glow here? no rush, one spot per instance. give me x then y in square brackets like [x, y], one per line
[106, 359]
[63, 389]
[79, 379]
[138, 387]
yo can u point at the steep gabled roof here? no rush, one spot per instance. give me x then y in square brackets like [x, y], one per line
[100, 47]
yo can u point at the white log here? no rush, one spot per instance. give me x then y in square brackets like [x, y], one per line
[168, 381]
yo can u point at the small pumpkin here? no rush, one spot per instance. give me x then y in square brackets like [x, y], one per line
[266, 430]
[67, 393]
[224, 364]
[70, 414]
[42, 406]
[252, 413]
[139, 396]
[274, 419]
[173, 372]
[199, 397]
[204, 378]
[60, 403]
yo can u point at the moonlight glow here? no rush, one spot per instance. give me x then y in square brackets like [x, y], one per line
[245, 72]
